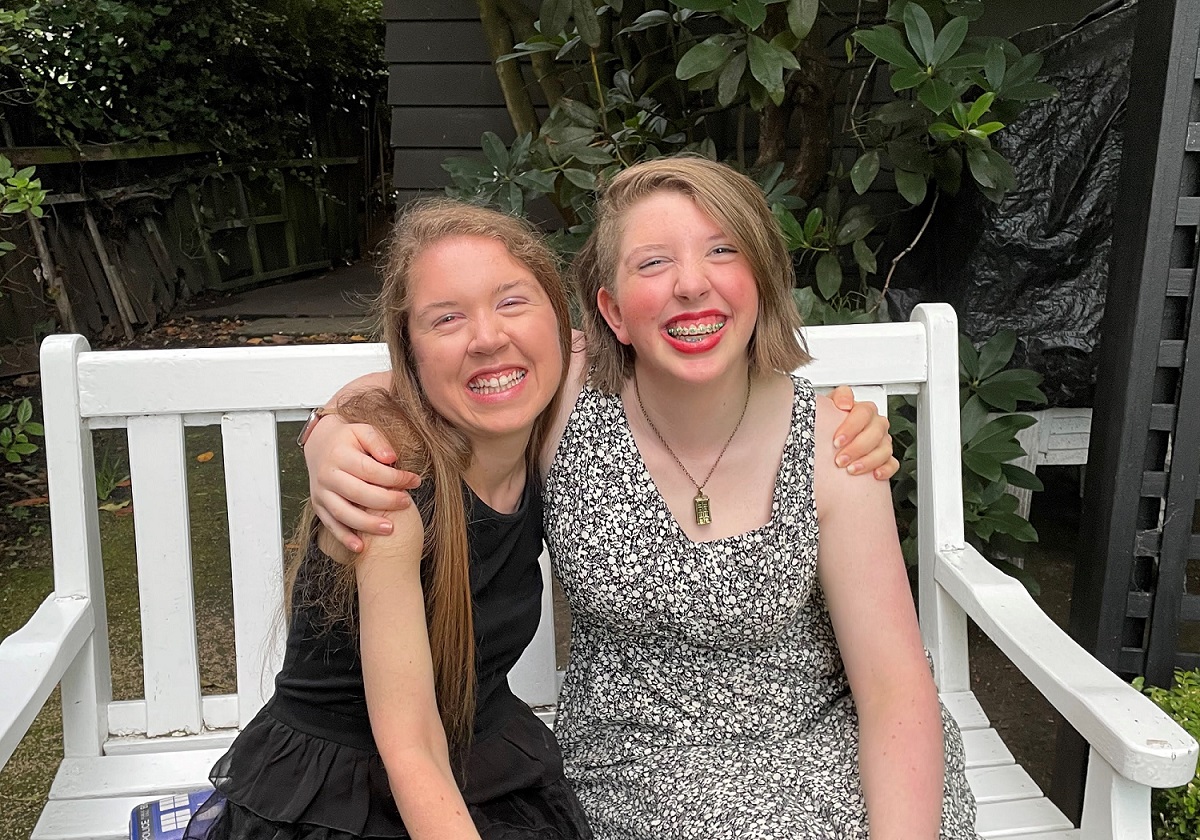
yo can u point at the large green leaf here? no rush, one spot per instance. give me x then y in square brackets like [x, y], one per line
[829, 274]
[853, 229]
[801, 16]
[730, 79]
[972, 417]
[752, 13]
[555, 16]
[993, 67]
[587, 21]
[949, 40]
[907, 78]
[864, 257]
[765, 63]
[887, 43]
[919, 28]
[495, 150]
[705, 57]
[996, 352]
[912, 186]
[936, 94]
[863, 173]
[1021, 477]
[648, 20]
[982, 465]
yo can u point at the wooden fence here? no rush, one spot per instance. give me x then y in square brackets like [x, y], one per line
[129, 232]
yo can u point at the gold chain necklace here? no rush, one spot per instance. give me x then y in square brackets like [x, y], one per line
[700, 504]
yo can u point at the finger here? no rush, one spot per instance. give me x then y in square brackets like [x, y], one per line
[843, 397]
[876, 458]
[355, 518]
[858, 432]
[887, 470]
[374, 443]
[342, 534]
[360, 494]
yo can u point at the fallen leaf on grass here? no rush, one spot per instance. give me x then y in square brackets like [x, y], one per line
[255, 340]
[205, 457]
[117, 507]
[36, 500]
[357, 337]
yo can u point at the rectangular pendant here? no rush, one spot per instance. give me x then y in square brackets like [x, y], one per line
[700, 504]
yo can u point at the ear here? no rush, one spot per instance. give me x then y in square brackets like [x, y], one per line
[611, 311]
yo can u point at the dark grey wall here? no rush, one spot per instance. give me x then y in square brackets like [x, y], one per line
[441, 88]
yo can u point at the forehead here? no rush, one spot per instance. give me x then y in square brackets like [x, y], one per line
[463, 266]
[666, 213]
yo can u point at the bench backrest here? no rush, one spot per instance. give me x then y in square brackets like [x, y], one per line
[247, 392]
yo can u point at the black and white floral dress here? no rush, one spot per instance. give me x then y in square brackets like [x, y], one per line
[705, 696]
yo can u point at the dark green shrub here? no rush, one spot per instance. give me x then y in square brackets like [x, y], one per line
[1176, 811]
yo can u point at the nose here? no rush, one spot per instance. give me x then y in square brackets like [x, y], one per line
[691, 281]
[489, 336]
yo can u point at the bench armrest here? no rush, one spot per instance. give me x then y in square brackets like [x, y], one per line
[1140, 741]
[33, 660]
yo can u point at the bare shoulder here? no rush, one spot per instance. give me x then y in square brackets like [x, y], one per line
[833, 486]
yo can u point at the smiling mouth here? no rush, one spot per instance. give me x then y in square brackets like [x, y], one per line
[694, 332]
[495, 384]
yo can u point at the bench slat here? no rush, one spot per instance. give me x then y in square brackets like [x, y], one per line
[1020, 818]
[158, 472]
[1001, 784]
[256, 554]
[146, 776]
[985, 749]
[87, 819]
[965, 710]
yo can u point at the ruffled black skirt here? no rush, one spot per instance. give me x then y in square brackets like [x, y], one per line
[279, 782]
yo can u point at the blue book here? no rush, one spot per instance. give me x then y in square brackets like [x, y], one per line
[167, 818]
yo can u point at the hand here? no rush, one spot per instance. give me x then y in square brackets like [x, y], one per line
[347, 472]
[862, 440]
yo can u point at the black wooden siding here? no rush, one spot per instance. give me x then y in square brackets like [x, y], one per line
[442, 90]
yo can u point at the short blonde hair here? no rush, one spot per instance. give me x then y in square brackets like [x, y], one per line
[738, 206]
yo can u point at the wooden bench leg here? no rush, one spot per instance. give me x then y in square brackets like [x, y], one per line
[1113, 806]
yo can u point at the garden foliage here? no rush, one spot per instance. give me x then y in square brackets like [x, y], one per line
[247, 77]
[1176, 812]
[16, 428]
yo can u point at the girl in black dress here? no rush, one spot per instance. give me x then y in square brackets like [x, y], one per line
[392, 716]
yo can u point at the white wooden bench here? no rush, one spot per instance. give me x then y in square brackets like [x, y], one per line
[119, 753]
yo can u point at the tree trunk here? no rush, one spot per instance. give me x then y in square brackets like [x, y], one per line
[500, 42]
[812, 100]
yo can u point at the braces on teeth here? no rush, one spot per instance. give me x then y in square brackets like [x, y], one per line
[496, 384]
[694, 329]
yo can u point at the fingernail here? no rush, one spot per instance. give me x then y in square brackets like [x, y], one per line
[385, 527]
[839, 441]
[842, 460]
[854, 468]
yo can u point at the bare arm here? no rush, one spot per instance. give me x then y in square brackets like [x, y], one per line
[398, 676]
[348, 472]
[866, 588]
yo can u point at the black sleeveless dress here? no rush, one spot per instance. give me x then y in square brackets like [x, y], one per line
[307, 767]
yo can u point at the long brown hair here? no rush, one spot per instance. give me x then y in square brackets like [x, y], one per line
[738, 206]
[427, 444]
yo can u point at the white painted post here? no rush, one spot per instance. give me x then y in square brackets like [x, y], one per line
[939, 494]
[252, 495]
[75, 536]
[1113, 806]
[170, 664]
